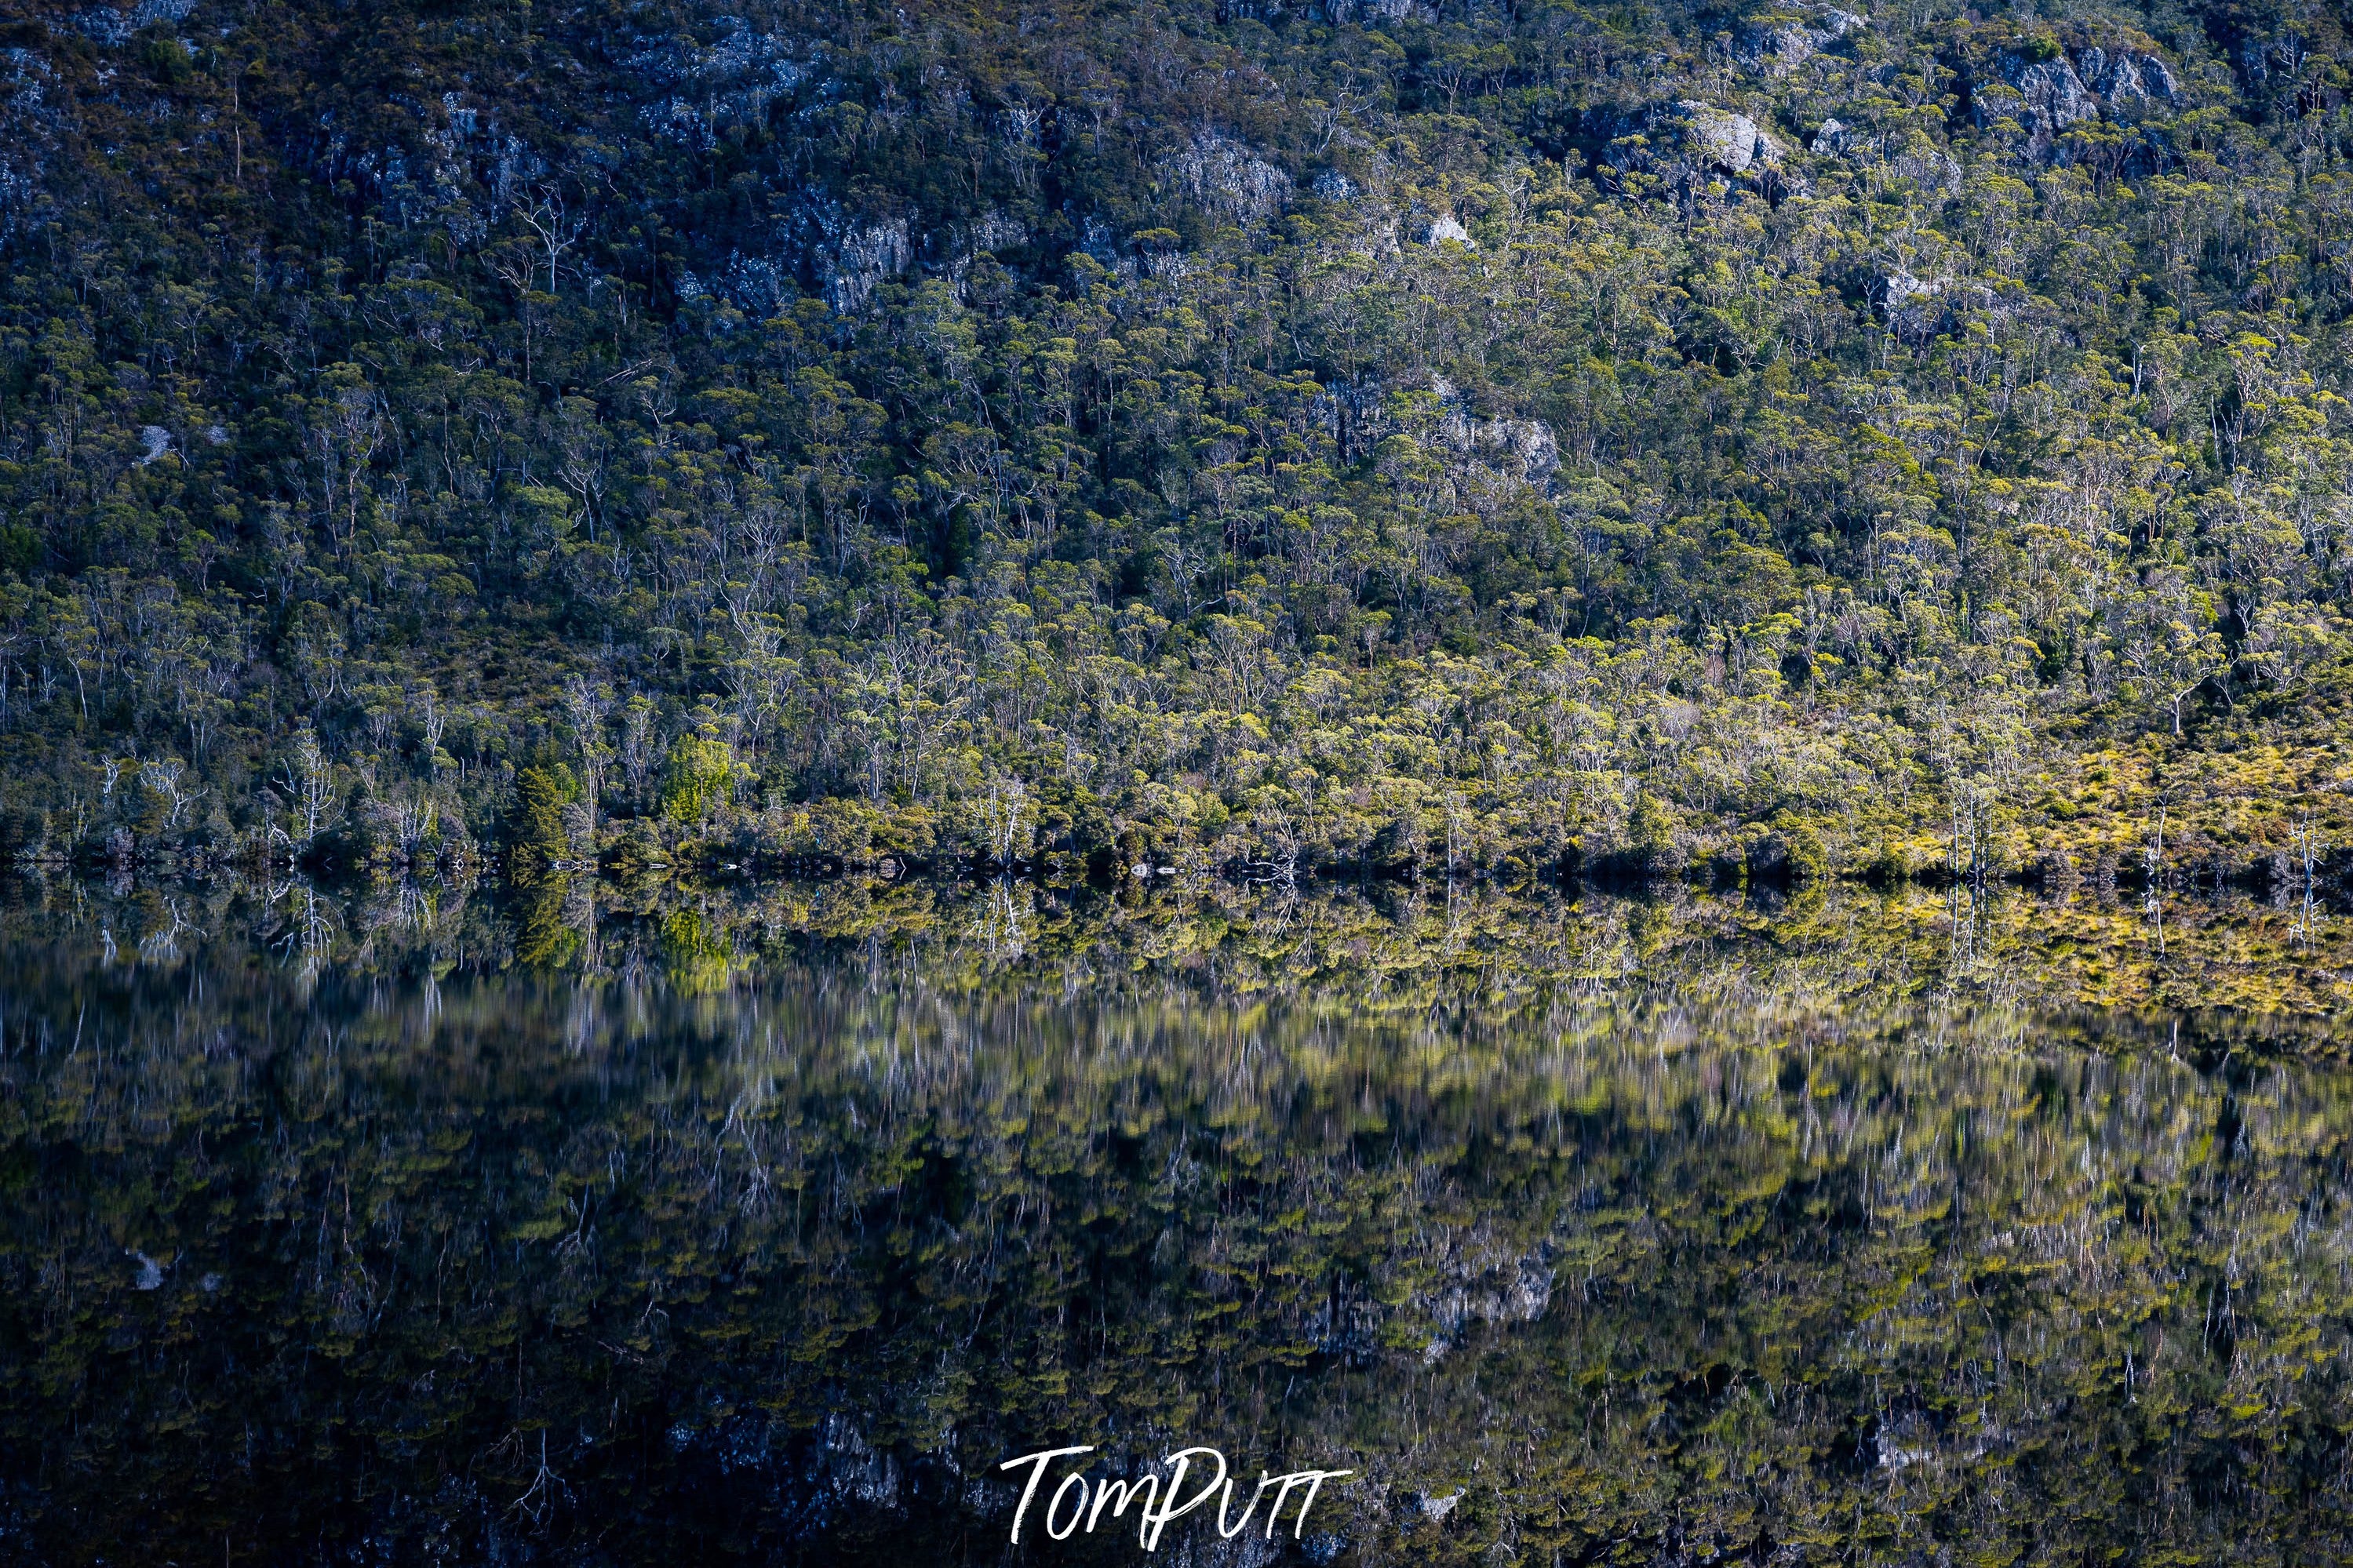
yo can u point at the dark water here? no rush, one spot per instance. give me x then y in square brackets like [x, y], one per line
[674, 1256]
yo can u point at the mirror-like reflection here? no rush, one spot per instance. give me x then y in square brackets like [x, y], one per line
[700, 1249]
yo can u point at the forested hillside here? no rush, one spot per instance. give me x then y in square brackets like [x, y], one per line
[1643, 435]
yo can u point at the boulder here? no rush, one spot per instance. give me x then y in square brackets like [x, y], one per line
[1707, 136]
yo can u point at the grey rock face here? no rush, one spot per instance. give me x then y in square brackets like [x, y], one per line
[1708, 135]
[2055, 96]
[864, 258]
[1912, 304]
[2127, 81]
[2044, 97]
[1226, 177]
[1447, 226]
[1778, 47]
[1687, 136]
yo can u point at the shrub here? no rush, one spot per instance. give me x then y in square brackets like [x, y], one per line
[1656, 849]
[1789, 852]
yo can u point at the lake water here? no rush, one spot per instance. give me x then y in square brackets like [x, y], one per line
[764, 1226]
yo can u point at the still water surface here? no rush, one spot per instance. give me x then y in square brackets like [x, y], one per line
[465, 1261]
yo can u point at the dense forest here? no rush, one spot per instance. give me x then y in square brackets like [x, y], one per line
[1376, 433]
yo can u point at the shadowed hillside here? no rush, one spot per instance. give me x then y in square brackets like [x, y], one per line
[1643, 437]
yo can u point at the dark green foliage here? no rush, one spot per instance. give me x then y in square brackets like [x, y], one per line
[543, 794]
[1786, 852]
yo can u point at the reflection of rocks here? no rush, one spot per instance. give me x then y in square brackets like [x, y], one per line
[1117, 1215]
[1347, 1330]
[1911, 1439]
[1487, 1290]
[1482, 1283]
[855, 1469]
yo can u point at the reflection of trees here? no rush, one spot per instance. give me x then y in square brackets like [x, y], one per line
[2258, 973]
[616, 1264]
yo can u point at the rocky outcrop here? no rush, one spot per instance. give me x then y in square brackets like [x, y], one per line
[1689, 141]
[1913, 157]
[2126, 82]
[1718, 138]
[1445, 227]
[1912, 304]
[862, 259]
[697, 90]
[28, 123]
[1226, 178]
[112, 26]
[1918, 309]
[1496, 454]
[2044, 94]
[1778, 44]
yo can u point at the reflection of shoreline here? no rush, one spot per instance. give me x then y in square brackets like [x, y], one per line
[2275, 976]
